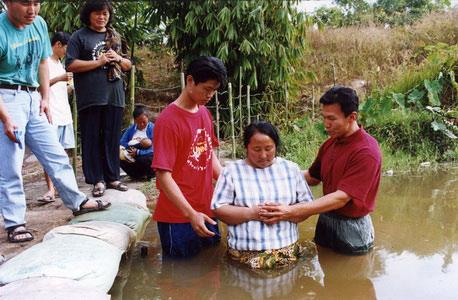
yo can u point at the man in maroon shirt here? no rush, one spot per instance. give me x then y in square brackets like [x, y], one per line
[349, 165]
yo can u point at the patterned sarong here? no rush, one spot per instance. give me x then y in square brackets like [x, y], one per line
[274, 258]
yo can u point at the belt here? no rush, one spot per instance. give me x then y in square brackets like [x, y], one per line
[17, 87]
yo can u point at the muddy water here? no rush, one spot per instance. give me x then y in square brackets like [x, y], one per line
[415, 256]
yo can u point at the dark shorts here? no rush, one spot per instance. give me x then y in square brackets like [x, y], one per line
[345, 235]
[180, 240]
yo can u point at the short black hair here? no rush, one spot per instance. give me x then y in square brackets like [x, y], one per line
[204, 68]
[345, 96]
[140, 110]
[262, 127]
[60, 36]
[91, 6]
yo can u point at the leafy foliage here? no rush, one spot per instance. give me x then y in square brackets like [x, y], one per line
[263, 39]
[392, 12]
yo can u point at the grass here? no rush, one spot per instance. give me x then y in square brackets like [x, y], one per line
[375, 56]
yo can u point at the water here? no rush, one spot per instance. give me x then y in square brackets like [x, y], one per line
[415, 256]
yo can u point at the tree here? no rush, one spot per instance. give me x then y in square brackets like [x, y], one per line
[265, 38]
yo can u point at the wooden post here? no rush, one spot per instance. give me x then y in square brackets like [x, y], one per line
[217, 122]
[75, 132]
[132, 94]
[183, 83]
[248, 104]
[313, 103]
[240, 98]
[231, 110]
[286, 101]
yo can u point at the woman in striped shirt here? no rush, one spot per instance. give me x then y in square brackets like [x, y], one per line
[242, 190]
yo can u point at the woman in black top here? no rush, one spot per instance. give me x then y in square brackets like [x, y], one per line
[95, 56]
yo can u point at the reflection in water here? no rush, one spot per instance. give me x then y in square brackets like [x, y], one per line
[415, 256]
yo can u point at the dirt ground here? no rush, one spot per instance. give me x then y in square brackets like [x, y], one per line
[41, 218]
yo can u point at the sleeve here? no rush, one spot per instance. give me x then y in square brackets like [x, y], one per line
[303, 192]
[315, 168]
[215, 142]
[224, 192]
[126, 137]
[73, 50]
[358, 178]
[165, 145]
[47, 51]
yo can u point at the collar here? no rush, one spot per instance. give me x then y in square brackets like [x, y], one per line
[351, 138]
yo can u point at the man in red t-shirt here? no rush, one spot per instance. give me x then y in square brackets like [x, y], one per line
[349, 165]
[185, 163]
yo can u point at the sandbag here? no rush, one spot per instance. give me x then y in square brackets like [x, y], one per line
[116, 234]
[131, 196]
[86, 259]
[50, 288]
[133, 217]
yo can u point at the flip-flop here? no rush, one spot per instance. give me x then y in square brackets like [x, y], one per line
[46, 199]
[98, 191]
[99, 207]
[120, 186]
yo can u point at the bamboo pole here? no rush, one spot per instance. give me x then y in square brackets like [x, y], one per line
[248, 104]
[313, 103]
[183, 84]
[132, 94]
[240, 99]
[286, 101]
[75, 132]
[217, 122]
[231, 110]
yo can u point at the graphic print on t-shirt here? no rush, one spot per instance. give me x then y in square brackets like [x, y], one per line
[200, 152]
[26, 54]
[99, 50]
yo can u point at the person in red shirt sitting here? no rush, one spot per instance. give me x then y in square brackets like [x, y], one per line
[349, 165]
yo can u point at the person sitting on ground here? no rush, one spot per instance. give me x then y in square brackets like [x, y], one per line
[58, 103]
[137, 146]
[242, 189]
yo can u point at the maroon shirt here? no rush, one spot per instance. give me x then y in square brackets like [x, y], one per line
[353, 165]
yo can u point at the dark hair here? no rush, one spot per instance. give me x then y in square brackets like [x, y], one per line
[140, 110]
[343, 95]
[91, 6]
[204, 68]
[261, 127]
[60, 36]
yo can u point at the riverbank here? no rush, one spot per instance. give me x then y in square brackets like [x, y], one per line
[40, 217]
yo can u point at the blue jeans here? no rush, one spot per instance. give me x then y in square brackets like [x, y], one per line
[179, 240]
[24, 108]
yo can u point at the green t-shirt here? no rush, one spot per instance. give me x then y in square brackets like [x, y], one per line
[21, 51]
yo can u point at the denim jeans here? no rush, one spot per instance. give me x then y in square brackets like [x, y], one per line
[24, 107]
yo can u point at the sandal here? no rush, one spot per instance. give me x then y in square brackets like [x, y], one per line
[98, 191]
[46, 199]
[120, 187]
[99, 207]
[12, 234]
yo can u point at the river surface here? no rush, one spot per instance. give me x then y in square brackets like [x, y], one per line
[415, 256]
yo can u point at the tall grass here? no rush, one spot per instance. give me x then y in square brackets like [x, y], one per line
[377, 56]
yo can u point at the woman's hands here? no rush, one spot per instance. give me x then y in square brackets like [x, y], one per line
[112, 56]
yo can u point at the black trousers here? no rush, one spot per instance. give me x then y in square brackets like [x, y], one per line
[100, 135]
[141, 167]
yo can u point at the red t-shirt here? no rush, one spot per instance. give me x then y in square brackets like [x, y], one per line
[183, 144]
[353, 165]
